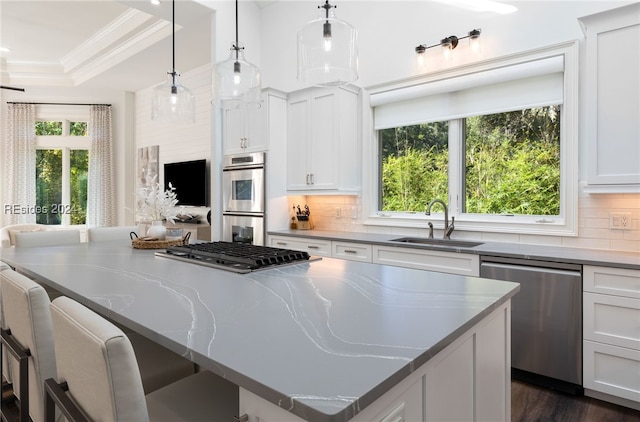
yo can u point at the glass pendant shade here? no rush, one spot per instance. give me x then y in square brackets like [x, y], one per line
[172, 102]
[327, 51]
[236, 81]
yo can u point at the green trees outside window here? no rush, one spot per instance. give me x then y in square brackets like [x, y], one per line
[61, 173]
[511, 164]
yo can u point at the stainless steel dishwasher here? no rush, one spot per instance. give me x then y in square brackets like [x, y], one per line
[546, 320]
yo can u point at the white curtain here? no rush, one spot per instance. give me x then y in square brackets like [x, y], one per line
[20, 165]
[100, 192]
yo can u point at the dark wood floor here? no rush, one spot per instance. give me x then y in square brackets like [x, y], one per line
[531, 403]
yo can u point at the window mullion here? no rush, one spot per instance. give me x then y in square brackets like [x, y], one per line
[66, 186]
[456, 166]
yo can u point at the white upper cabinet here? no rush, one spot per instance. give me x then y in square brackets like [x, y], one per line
[323, 141]
[613, 99]
[247, 129]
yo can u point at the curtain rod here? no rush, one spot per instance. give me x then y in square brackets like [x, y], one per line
[67, 104]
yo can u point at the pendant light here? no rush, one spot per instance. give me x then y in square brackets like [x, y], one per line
[172, 102]
[327, 50]
[236, 81]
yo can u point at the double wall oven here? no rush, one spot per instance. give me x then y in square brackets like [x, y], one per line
[243, 200]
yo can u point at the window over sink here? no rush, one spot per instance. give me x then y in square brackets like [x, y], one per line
[497, 141]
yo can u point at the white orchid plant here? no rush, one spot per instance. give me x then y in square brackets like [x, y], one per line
[155, 203]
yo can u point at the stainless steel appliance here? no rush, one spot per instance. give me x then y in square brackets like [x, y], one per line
[243, 200]
[239, 257]
[546, 320]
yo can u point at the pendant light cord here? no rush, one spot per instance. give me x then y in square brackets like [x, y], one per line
[174, 89]
[237, 47]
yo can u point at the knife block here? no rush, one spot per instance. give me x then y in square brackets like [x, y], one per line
[304, 223]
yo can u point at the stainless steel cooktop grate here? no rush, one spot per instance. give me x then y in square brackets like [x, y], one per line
[232, 256]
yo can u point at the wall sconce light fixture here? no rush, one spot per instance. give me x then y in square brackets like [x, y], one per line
[449, 43]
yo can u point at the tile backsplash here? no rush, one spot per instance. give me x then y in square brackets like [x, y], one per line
[343, 213]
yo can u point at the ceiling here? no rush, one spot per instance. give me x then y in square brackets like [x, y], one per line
[99, 43]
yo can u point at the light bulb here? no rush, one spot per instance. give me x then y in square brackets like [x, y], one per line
[236, 78]
[174, 99]
[327, 44]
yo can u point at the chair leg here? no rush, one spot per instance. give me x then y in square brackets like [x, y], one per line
[55, 395]
[22, 355]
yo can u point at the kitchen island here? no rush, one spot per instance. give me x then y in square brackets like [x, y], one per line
[327, 340]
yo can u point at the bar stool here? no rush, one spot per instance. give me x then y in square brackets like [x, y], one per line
[98, 377]
[27, 334]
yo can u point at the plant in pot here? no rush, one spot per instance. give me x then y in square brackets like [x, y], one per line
[156, 204]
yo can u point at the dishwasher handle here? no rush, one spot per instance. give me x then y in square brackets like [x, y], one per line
[518, 267]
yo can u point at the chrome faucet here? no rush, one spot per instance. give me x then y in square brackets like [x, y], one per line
[447, 230]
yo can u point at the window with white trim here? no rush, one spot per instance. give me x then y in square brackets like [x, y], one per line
[496, 141]
[62, 164]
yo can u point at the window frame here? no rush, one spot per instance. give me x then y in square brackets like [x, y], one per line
[65, 142]
[565, 224]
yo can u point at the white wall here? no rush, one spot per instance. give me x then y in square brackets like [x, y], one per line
[122, 112]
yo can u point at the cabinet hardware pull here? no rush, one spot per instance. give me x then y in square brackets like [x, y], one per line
[350, 251]
[312, 181]
[313, 247]
[281, 243]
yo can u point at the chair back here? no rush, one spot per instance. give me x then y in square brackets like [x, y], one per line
[102, 234]
[25, 309]
[98, 364]
[8, 233]
[47, 238]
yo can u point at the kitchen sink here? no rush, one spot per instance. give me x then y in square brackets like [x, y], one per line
[437, 242]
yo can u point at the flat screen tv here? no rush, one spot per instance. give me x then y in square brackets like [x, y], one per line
[189, 178]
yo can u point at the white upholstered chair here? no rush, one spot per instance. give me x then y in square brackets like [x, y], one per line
[27, 321]
[97, 368]
[7, 233]
[101, 234]
[47, 238]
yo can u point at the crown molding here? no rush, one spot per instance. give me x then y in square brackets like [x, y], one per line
[125, 36]
[122, 51]
[131, 20]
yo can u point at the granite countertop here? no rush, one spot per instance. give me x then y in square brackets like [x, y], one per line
[510, 250]
[322, 339]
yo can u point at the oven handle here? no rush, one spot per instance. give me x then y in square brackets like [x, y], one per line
[244, 167]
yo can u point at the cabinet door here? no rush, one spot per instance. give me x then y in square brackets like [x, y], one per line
[324, 127]
[313, 246]
[422, 259]
[613, 88]
[612, 370]
[243, 129]
[297, 144]
[232, 131]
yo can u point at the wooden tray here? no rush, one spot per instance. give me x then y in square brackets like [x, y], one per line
[150, 243]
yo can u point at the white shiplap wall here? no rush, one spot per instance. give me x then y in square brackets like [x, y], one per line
[184, 141]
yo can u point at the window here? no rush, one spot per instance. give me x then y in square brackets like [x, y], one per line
[62, 164]
[497, 143]
[511, 164]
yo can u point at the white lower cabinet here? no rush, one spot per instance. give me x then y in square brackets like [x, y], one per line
[470, 379]
[611, 322]
[423, 259]
[312, 246]
[351, 251]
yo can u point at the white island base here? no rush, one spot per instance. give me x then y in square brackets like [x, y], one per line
[469, 380]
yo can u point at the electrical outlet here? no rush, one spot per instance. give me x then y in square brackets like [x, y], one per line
[620, 221]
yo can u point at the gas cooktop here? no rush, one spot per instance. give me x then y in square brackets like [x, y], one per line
[233, 256]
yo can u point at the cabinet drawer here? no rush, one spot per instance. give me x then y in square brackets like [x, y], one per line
[613, 281]
[351, 251]
[612, 370]
[612, 319]
[446, 262]
[313, 246]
